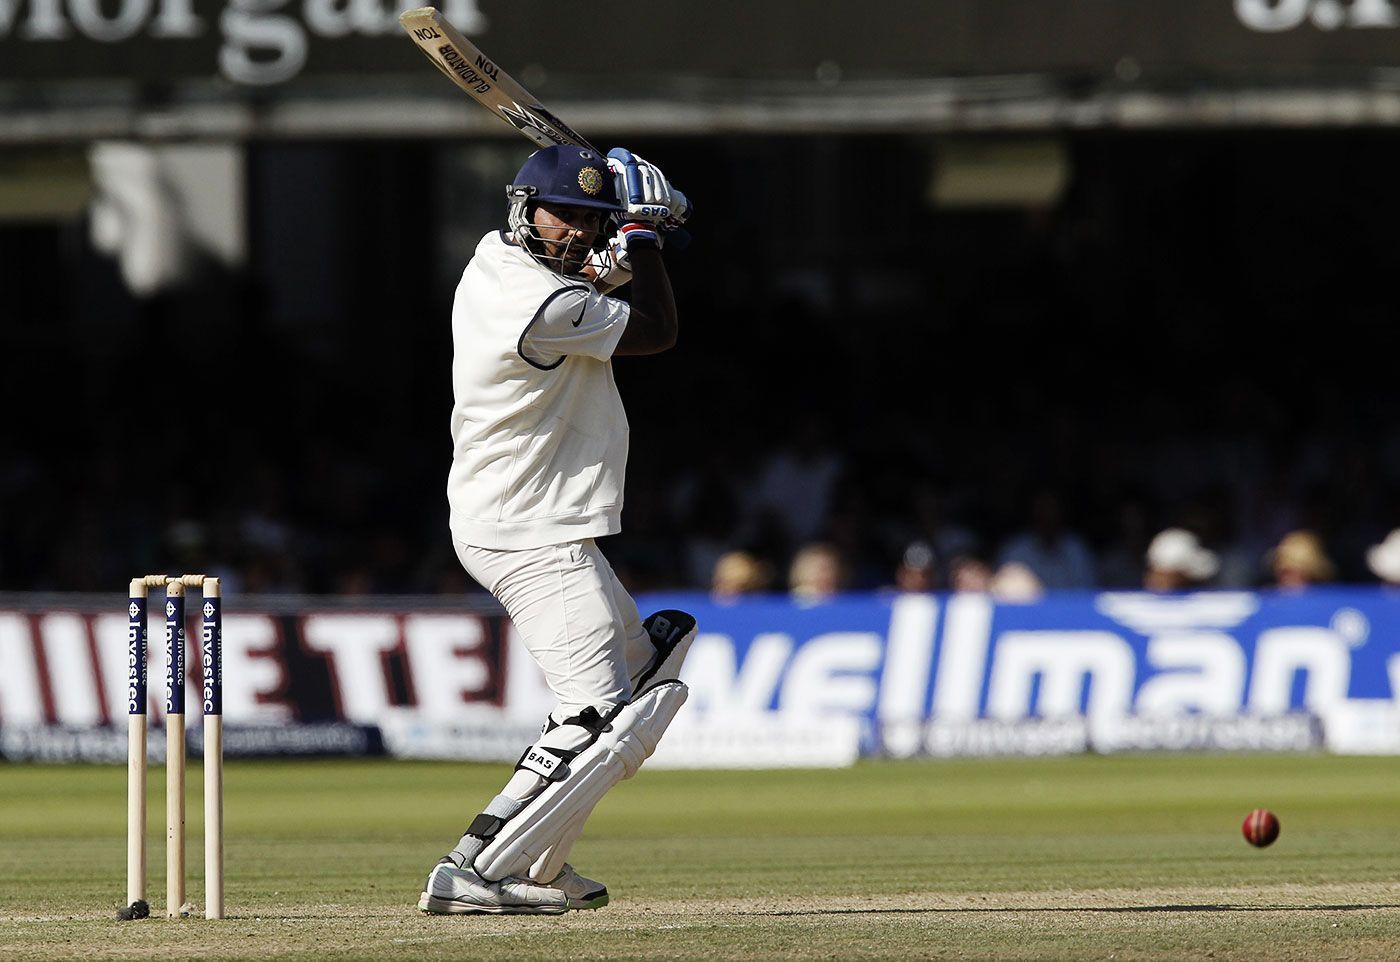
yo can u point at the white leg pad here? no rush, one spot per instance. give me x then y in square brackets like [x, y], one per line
[671, 633]
[548, 866]
[524, 840]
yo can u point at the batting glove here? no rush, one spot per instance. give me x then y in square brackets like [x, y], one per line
[646, 194]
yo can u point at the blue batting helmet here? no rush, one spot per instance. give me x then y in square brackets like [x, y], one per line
[570, 175]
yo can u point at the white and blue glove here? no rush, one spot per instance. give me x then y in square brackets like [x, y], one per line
[650, 204]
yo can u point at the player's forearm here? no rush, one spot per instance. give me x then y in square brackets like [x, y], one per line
[653, 324]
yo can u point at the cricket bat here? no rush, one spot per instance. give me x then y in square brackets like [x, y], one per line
[493, 88]
[466, 66]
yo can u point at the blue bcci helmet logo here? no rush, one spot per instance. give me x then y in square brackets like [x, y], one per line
[591, 180]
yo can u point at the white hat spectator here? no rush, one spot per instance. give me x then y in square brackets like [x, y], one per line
[1384, 559]
[1178, 550]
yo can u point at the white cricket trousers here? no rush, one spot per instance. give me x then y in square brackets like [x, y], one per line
[573, 615]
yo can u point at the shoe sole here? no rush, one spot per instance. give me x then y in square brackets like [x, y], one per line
[432, 905]
[588, 905]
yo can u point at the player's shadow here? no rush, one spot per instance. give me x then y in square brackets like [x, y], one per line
[1105, 909]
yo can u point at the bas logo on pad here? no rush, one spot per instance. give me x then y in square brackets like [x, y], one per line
[591, 180]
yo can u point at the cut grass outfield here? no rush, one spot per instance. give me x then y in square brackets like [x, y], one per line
[1072, 858]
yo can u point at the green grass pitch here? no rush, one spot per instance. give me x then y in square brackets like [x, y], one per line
[1133, 857]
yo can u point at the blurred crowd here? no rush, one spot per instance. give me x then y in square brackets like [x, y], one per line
[1205, 512]
[812, 515]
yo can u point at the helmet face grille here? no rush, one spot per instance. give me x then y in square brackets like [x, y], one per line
[526, 233]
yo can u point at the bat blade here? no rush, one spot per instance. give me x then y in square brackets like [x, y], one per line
[466, 66]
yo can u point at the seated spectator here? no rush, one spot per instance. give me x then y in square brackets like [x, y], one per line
[1299, 560]
[738, 573]
[799, 479]
[1176, 561]
[968, 574]
[1058, 557]
[1120, 560]
[918, 569]
[947, 537]
[708, 508]
[1016, 584]
[1384, 559]
[817, 573]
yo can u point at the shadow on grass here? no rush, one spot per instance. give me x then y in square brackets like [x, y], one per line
[1110, 909]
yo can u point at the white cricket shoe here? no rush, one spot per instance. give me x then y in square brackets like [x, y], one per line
[583, 893]
[457, 891]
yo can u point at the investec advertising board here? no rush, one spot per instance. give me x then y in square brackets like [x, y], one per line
[772, 683]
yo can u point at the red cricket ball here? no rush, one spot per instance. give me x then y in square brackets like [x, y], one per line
[1260, 827]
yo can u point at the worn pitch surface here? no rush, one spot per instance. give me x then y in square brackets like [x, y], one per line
[1076, 858]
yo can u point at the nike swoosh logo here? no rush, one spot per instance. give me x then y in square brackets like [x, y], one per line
[579, 320]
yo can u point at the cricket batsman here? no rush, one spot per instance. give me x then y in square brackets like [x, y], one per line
[539, 453]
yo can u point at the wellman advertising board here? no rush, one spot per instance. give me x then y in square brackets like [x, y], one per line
[773, 683]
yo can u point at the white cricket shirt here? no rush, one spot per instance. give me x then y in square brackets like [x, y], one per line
[538, 430]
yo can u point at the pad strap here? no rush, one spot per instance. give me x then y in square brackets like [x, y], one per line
[550, 764]
[485, 826]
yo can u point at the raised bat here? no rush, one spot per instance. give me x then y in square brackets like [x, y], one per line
[491, 86]
[466, 66]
